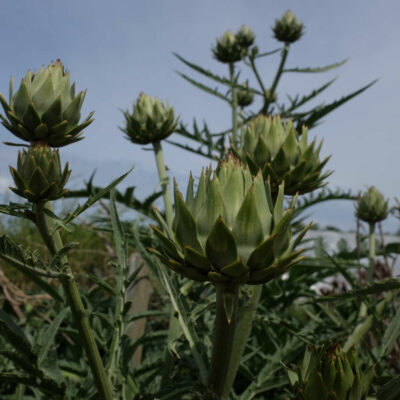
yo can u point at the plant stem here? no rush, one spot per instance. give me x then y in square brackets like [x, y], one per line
[372, 253]
[162, 173]
[173, 321]
[223, 339]
[274, 85]
[242, 333]
[233, 103]
[54, 243]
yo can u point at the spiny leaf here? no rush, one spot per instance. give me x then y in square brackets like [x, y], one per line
[316, 69]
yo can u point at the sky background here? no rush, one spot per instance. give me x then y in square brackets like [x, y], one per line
[118, 49]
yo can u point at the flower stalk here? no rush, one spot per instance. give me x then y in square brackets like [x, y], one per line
[225, 324]
[234, 102]
[53, 241]
[372, 252]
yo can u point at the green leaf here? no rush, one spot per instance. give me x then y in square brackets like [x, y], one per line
[46, 340]
[316, 69]
[205, 88]
[220, 246]
[118, 232]
[390, 390]
[95, 197]
[391, 335]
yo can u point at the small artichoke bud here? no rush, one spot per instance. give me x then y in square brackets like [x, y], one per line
[230, 230]
[372, 206]
[245, 37]
[227, 49]
[244, 96]
[45, 108]
[330, 374]
[275, 148]
[39, 176]
[254, 51]
[151, 120]
[270, 96]
[288, 29]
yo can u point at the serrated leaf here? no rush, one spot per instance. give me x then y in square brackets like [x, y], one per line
[316, 69]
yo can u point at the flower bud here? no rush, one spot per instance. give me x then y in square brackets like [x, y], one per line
[150, 121]
[39, 176]
[227, 49]
[245, 37]
[372, 206]
[244, 96]
[288, 29]
[45, 108]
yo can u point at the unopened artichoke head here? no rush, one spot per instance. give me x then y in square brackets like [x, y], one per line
[331, 374]
[288, 29]
[372, 206]
[151, 120]
[229, 231]
[276, 148]
[45, 108]
[39, 176]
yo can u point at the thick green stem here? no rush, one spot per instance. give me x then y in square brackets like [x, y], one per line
[54, 243]
[242, 333]
[279, 72]
[234, 104]
[162, 173]
[372, 253]
[227, 303]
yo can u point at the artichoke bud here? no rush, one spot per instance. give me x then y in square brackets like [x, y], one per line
[227, 48]
[229, 230]
[151, 120]
[245, 37]
[38, 176]
[288, 29]
[45, 108]
[270, 96]
[244, 96]
[330, 373]
[275, 148]
[372, 207]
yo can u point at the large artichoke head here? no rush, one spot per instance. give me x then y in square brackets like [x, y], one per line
[39, 176]
[372, 206]
[151, 120]
[331, 374]
[288, 29]
[276, 148]
[45, 108]
[229, 231]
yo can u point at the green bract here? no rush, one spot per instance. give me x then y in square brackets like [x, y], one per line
[330, 374]
[39, 176]
[229, 231]
[288, 29]
[245, 37]
[276, 149]
[244, 96]
[372, 206]
[228, 49]
[150, 121]
[45, 108]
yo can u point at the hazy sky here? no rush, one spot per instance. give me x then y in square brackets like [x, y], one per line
[118, 49]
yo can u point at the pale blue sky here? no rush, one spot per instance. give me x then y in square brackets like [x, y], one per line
[118, 49]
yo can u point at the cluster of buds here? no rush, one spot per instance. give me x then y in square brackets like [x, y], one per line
[230, 230]
[45, 112]
[151, 120]
[232, 47]
[331, 374]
